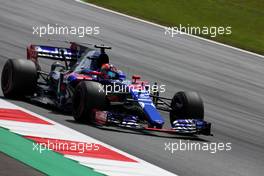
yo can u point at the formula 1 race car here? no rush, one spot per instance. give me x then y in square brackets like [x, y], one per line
[81, 80]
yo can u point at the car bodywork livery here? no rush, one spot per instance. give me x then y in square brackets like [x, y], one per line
[134, 107]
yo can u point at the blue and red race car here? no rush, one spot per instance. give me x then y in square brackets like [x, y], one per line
[81, 80]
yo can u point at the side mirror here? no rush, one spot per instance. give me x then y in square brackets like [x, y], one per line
[135, 78]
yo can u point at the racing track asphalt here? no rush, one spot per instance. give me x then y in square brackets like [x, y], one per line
[230, 82]
[9, 166]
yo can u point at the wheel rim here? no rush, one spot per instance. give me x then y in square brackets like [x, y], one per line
[77, 105]
[7, 79]
[178, 103]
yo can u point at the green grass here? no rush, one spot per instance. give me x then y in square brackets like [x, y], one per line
[246, 17]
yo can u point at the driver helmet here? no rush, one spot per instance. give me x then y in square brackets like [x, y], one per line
[109, 71]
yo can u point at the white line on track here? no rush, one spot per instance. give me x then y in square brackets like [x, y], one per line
[161, 26]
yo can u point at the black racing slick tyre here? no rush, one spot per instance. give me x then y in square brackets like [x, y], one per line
[19, 78]
[186, 105]
[86, 98]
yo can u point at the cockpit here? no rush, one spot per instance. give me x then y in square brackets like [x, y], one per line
[92, 60]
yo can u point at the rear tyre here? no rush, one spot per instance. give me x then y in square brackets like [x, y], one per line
[86, 99]
[186, 105]
[19, 78]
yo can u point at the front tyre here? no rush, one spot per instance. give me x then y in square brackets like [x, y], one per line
[87, 98]
[186, 105]
[19, 78]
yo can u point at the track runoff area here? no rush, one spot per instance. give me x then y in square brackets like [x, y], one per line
[55, 149]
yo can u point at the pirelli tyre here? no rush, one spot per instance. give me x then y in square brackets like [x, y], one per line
[186, 105]
[87, 98]
[19, 78]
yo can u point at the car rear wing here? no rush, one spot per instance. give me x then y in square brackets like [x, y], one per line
[50, 52]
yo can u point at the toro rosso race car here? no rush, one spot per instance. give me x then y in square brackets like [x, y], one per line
[81, 80]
